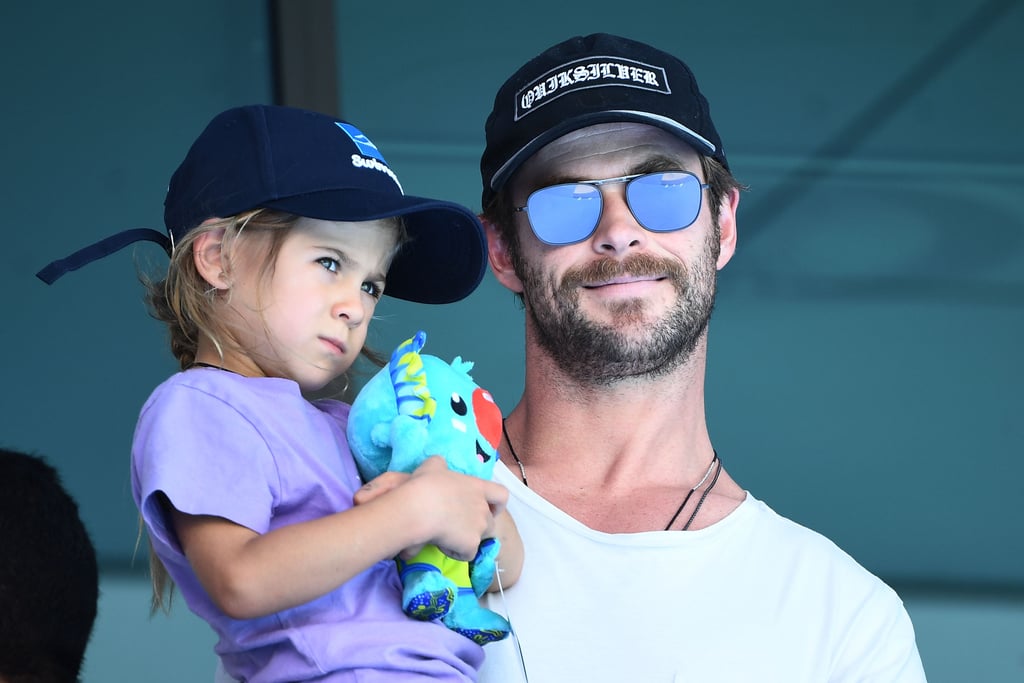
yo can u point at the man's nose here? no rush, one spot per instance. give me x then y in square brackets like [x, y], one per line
[617, 229]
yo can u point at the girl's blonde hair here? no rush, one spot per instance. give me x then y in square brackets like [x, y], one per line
[185, 302]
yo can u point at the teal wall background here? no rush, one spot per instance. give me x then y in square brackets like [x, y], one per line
[865, 365]
[101, 102]
[863, 368]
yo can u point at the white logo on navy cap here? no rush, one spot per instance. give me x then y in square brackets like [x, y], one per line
[591, 72]
[367, 149]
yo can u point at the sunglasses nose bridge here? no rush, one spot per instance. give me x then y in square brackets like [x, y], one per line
[617, 225]
[612, 186]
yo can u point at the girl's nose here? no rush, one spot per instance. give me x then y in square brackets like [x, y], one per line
[349, 306]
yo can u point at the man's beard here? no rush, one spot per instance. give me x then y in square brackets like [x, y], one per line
[633, 346]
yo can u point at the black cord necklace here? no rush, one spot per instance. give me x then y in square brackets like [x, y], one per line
[715, 460]
[512, 452]
[201, 364]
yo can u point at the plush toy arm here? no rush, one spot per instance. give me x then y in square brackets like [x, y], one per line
[372, 452]
[396, 444]
[380, 435]
[481, 568]
[408, 437]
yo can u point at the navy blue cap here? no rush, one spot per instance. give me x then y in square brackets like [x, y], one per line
[586, 80]
[313, 165]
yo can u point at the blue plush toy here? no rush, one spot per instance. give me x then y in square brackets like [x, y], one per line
[416, 407]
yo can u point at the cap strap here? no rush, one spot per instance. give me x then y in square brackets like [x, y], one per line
[96, 251]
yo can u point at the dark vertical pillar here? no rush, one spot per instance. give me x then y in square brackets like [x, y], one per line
[305, 60]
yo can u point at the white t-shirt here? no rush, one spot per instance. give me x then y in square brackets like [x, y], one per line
[754, 597]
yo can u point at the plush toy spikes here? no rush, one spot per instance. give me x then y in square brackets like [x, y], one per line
[410, 380]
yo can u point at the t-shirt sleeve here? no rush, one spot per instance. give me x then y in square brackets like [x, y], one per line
[879, 645]
[206, 457]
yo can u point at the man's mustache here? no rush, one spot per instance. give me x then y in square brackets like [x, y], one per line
[637, 265]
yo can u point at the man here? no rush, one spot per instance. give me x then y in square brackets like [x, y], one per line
[49, 583]
[610, 208]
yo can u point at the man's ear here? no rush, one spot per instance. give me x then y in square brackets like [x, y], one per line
[208, 256]
[727, 226]
[497, 254]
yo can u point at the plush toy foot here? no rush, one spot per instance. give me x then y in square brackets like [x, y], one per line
[427, 594]
[477, 623]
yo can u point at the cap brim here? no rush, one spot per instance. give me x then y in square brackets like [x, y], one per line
[444, 259]
[700, 144]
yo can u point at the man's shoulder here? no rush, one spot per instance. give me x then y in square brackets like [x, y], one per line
[795, 544]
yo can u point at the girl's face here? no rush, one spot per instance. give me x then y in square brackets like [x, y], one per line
[307, 320]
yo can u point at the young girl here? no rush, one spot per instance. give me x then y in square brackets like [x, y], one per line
[286, 227]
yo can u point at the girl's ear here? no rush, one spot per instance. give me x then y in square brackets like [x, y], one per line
[497, 254]
[209, 258]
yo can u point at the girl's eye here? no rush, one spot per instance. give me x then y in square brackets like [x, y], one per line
[373, 289]
[329, 263]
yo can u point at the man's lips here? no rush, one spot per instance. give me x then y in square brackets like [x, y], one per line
[624, 280]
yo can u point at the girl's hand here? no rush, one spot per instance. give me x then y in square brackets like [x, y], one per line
[457, 510]
[376, 488]
[379, 486]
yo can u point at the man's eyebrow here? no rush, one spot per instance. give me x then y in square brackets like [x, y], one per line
[658, 162]
[553, 179]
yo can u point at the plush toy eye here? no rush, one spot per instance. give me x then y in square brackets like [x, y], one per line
[458, 405]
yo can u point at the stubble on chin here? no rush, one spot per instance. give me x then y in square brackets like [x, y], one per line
[636, 344]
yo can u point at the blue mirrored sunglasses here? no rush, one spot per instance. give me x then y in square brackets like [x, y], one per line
[661, 202]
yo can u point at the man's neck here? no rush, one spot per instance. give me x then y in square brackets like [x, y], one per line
[599, 450]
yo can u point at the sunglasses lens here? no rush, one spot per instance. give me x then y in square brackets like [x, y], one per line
[663, 202]
[563, 214]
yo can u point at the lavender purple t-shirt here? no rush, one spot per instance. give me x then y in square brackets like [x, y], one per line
[255, 452]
